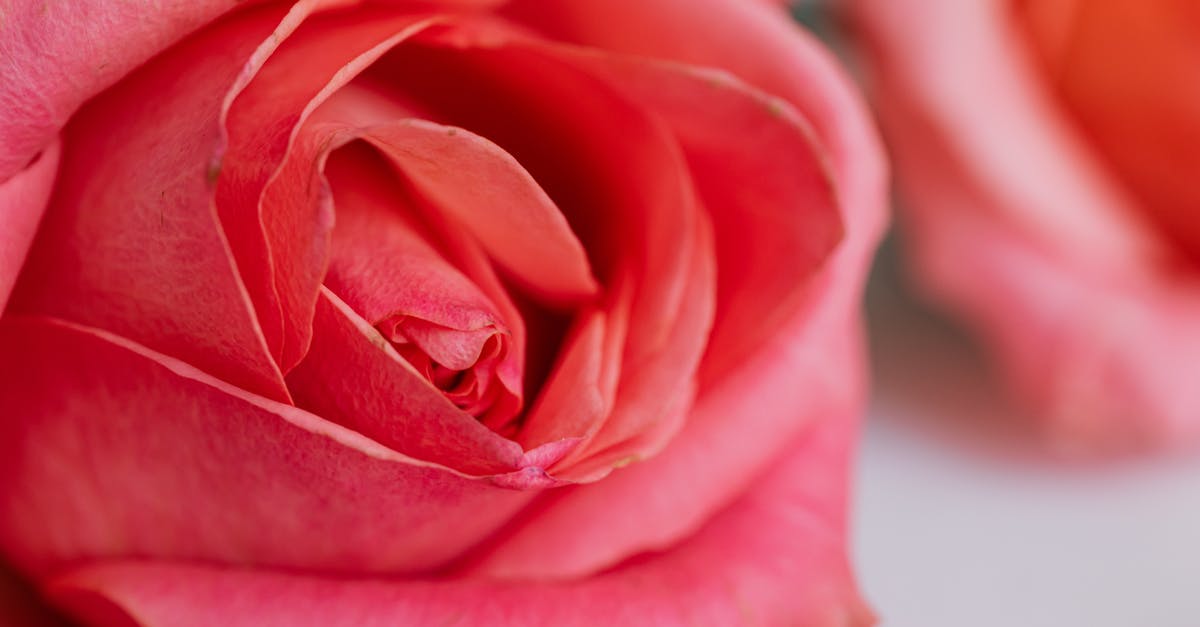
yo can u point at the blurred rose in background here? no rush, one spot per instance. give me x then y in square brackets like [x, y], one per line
[1046, 154]
[1042, 153]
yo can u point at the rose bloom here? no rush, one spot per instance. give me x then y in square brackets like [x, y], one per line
[1048, 152]
[458, 312]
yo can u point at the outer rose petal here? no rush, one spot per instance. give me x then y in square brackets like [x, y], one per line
[79, 49]
[23, 198]
[812, 366]
[1015, 225]
[148, 456]
[774, 557]
[137, 250]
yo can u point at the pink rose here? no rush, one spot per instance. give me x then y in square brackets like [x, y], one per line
[1048, 153]
[345, 313]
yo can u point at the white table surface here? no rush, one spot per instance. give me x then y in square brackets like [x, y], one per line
[960, 522]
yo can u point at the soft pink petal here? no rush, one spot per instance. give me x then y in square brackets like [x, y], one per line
[59, 54]
[774, 557]
[764, 179]
[149, 456]
[23, 198]
[130, 242]
[279, 236]
[385, 261]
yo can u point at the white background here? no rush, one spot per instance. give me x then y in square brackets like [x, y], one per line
[961, 522]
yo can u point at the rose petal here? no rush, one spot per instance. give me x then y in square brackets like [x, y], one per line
[149, 456]
[636, 206]
[353, 377]
[279, 236]
[383, 263]
[1107, 363]
[487, 192]
[774, 557]
[21, 605]
[761, 139]
[764, 181]
[136, 249]
[576, 395]
[813, 361]
[23, 198]
[653, 400]
[752, 43]
[732, 432]
[58, 55]
[605, 185]
[384, 266]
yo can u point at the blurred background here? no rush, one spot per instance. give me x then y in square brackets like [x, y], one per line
[963, 519]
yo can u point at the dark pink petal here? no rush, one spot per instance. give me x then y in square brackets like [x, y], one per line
[776, 556]
[23, 198]
[57, 55]
[130, 242]
[22, 606]
[149, 456]
[576, 395]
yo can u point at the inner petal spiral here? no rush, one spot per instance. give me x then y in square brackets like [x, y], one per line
[394, 265]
